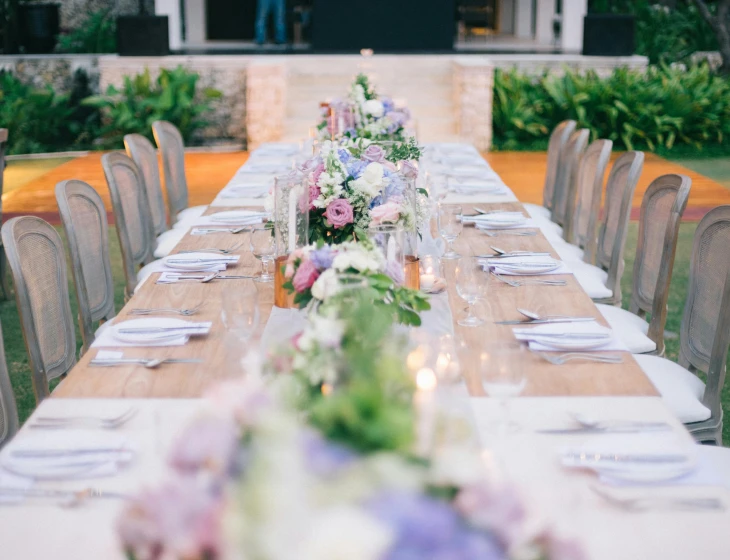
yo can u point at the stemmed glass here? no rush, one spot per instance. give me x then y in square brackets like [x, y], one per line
[263, 247]
[240, 315]
[450, 226]
[471, 284]
[502, 371]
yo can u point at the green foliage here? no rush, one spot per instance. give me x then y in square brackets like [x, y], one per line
[655, 109]
[97, 34]
[367, 87]
[409, 150]
[173, 97]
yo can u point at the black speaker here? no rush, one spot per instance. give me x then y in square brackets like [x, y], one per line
[142, 36]
[608, 35]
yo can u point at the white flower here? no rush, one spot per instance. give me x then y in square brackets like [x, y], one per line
[371, 181]
[345, 532]
[374, 108]
[326, 285]
[328, 332]
[359, 260]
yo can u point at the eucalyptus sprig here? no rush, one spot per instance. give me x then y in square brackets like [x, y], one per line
[408, 150]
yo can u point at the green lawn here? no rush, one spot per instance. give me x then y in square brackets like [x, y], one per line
[20, 372]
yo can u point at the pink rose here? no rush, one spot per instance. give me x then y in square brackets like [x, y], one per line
[305, 276]
[387, 213]
[314, 192]
[339, 213]
[374, 153]
[409, 169]
[317, 172]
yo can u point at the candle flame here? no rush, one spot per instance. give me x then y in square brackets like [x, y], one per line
[426, 379]
[326, 389]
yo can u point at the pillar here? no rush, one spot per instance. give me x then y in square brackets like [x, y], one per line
[571, 35]
[544, 21]
[171, 9]
[523, 19]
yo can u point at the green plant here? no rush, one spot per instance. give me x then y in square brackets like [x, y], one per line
[97, 34]
[654, 109]
[173, 97]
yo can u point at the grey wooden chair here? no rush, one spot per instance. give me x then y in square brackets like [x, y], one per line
[565, 183]
[87, 232]
[172, 148]
[704, 334]
[132, 217]
[581, 227]
[8, 410]
[558, 138]
[144, 155]
[661, 213]
[36, 257]
[4, 284]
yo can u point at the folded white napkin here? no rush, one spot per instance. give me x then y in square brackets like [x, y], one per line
[230, 218]
[476, 186]
[174, 277]
[288, 148]
[587, 327]
[241, 191]
[14, 482]
[109, 338]
[500, 220]
[218, 266]
[498, 265]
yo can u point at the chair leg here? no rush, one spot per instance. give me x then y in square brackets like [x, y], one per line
[4, 276]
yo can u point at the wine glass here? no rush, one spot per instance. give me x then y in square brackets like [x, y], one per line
[471, 284]
[240, 311]
[502, 371]
[450, 226]
[263, 247]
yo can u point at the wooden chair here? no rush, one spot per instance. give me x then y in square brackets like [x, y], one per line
[132, 217]
[4, 284]
[661, 213]
[704, 334]
[565, 182]
[558, 139]
[84, 221]
[36, 257]
[144, 155]
[171, 145]
[8, 411]
[602, 280]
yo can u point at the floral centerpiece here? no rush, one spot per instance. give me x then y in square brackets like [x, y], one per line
[352, 187]
[258, 480]
[312, 274]
[364, 114]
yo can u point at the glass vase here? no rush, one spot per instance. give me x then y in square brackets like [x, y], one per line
[291, 227]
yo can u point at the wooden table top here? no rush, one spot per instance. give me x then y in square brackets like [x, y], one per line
[191, 380]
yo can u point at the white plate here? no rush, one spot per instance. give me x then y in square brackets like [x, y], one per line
[528, 268]
[151, 322]
[495, 222]
[572, 344]
[661, 472]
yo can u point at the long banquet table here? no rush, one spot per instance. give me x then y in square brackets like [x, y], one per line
[530, 459]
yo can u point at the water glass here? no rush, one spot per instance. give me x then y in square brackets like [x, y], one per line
[471, 285]
[240, 311]
[263, 247]
[502, 371]
[450, 226]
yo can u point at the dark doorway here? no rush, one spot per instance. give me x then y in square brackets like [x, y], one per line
[230, 20]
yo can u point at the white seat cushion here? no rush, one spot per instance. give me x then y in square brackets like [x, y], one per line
[681, 390]
[630, 328]
[145, 272]
[102, 328]
[189, 214]
[167, 241]
[592, 279]
[537, 211]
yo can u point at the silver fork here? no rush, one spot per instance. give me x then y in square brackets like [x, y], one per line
[660, 502]
[204, 231]
[502, 233]
[215, 250]
[560, 359]
[150, 310]
[518, 283]
[90, 421]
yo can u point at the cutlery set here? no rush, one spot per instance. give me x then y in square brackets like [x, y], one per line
[527, 282]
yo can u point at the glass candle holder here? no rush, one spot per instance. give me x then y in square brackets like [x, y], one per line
[389, 239]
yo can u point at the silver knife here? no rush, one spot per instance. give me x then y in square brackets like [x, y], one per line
[544, 321]
[137, 330]
[31, 453]
[625, 458]
[611, 430]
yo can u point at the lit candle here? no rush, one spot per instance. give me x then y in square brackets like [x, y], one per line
[293, 193]
[424, 404]
[428, 278]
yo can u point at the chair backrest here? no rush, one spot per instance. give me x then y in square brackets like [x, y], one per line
[3, 146]
[661, 213]
[171, 145]
[620, 188]
[558, 138]
[132, 217]
[36, 256]
[87, 232]
[581, 228]
[706, 321]
[564, 195]
[8, 410]
[144, 154]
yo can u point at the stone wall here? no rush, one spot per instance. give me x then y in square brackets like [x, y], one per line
[54, 70]
[75, 12]
[473, 80]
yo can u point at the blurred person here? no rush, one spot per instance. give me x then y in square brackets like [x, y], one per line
[278, 9]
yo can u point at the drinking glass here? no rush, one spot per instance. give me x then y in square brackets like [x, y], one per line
[263, 247]
[450, 226]
[502, 371]
[471, 284]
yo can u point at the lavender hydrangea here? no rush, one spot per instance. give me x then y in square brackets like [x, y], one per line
[325, 458]
[322, 258]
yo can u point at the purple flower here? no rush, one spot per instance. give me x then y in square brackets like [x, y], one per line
[355, 168]
[209, 444]
[344, 155]
[409, 169]
[374, 153]
[325, 458]
[388, 104]
[429, 528]
[339, 213]
[497, 509]
[322, 258]
[178, 520]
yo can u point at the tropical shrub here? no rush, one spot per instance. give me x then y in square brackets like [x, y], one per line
[173, 97]
[98, 34]
[656, 109]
